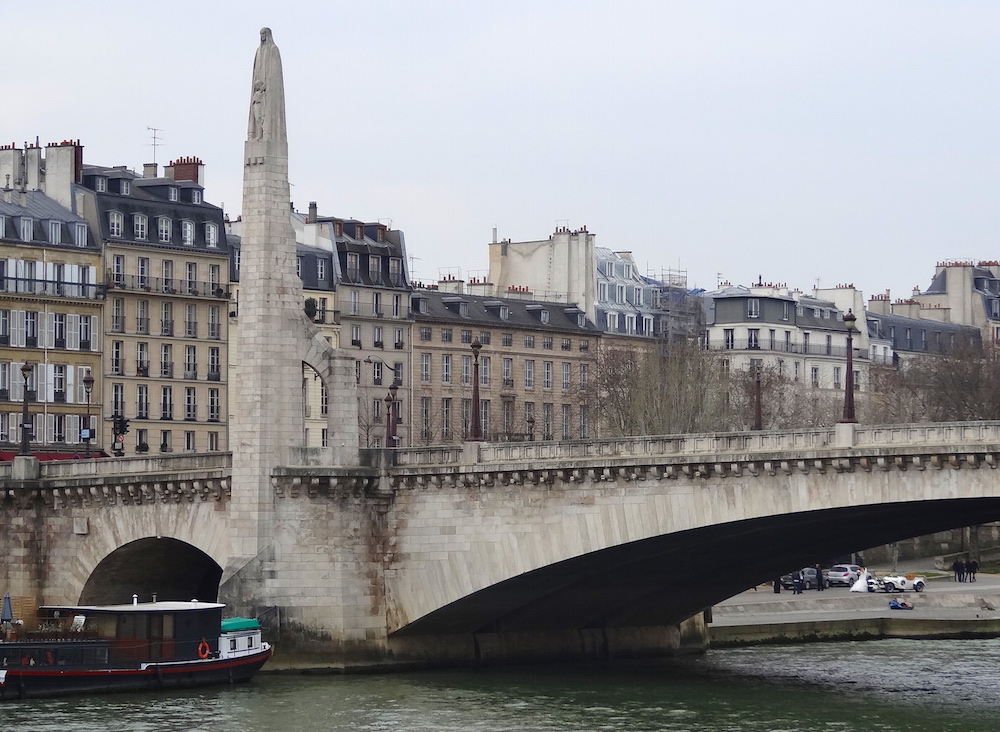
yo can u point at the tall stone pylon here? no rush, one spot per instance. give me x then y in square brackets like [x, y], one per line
[266, 395]
[273, 339]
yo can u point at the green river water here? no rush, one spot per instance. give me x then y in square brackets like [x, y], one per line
[874, 685]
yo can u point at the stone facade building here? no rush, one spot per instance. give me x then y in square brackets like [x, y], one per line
[536, 364]
[51, 300]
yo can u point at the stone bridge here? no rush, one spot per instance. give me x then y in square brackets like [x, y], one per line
[487, 552]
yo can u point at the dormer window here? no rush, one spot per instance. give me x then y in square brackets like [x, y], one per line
[140, 227]
[172, 193]
[55, 232]
[195, 195]
[124, 187]
[504, 312]
[211, 235]
[321, 269]
[27, 227]
[543, 316]
[187, 233]
[80, 234]
[581, 320]
[753, 308]
[115, 223]
[100, 184]
[165, 227]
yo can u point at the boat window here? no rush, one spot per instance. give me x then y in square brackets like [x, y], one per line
[232, 644]
[250, 642]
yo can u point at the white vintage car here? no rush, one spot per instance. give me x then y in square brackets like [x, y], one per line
[897, 583]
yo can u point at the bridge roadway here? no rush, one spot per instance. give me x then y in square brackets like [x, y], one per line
[492, 552]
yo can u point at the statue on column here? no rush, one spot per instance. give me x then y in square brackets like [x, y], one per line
[267, 93]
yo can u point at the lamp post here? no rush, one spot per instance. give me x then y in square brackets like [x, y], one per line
[88, 387]
[25, 424]
[531, 428]
[390, 421]
[849, 417]
[476, 431]
[758, 418]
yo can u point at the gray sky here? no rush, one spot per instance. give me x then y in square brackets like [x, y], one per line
[801, 142]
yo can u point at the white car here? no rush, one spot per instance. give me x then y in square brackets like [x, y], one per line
[902, 582]
[842, 574]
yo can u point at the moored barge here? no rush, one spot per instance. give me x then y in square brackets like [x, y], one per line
[102, 648]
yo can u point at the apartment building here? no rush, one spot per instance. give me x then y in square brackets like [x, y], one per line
[50, 306]
[536, 362]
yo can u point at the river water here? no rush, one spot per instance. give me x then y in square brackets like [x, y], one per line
[835, 687]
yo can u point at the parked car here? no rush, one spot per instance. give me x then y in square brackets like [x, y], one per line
[808, 576]
[902, 582]
[843, 574]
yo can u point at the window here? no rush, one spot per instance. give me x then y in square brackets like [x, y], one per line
[212, 237]
[547, 343]
[55, 232]
[484, 371]
[195, 195]
[115, 224]
[166, 360]
[166, 444]
[507, 339]
[190, 362]
[321, 269]
[353, 271]
[189, 442]
[565, 422]
[124, 187]
[543, 315]
[446, 368]
[529, 374]
[117, 367]
[466, 369]
[356, 335]
[814, 376]
[425, 334]
[190, 404]
[836, 377]
[165, 227]
[566, 375]
[167, 402]
[191, 321]
[142, 402]
[729, 336]
[620, 293]
[504, 312]
[602, 291]
[584, 374]
[100, 184]
[829, 345]
[508, 372]
[785, 310]
[466, 336]
[79, 234]
[214, 405]
[425, 368]
[27, 227]
[446, 335]
[546, 375]
[446, 418]
[397, 306]
[172, 193]
[529, 341]
[484, 338]
[213, 446]
[753, 338]
[187, 233]
[753, 307]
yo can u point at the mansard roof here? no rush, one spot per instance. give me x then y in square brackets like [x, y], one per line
[485, 311]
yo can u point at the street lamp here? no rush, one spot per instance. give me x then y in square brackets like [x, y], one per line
[88, 387]
[758, 418]
[531, 428]
[476, 432]
[390, 422]
[849, 417]
[25, 424]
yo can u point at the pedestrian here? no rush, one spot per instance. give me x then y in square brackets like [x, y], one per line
[777, 585]
[958, 568]
[819, 577]
[798, 583]
[971, 568]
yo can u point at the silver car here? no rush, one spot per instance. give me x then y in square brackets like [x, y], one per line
[843, 574]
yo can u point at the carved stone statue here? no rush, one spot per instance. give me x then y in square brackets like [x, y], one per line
[267, 93]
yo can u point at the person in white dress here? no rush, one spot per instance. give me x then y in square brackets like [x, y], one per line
[861, 585]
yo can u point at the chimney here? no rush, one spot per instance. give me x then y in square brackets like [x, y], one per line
[189, 168]
[149, 170]
[63, 166]
[313, 213]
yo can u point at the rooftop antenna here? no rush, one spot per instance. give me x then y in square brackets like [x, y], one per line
[156, 140]
[412, 260]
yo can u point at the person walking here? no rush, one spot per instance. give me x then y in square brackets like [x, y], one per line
[958, 568]
[798, 583]
[777, 585]
[819, 577]
[971, 567]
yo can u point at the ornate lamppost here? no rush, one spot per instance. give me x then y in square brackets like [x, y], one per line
[849, 416]
[476, 431]
[390, 421]
[88, 387]
[758, 417]
[25, 424]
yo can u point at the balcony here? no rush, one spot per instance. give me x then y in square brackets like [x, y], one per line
[166, 327]
[167, 370]
[398, 345]
[59, 288]
[215, 375]
[117, 323]
[190, 371]
[161, 286]
[190, 328]
[142, 368]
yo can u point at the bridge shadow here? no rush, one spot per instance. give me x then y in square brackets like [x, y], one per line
[167, 568]
[666, 579]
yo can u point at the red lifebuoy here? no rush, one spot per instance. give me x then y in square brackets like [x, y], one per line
[204, 649]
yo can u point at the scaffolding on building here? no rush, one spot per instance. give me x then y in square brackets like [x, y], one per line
[682, 316]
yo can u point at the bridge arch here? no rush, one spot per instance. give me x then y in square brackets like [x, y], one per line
[166, 568]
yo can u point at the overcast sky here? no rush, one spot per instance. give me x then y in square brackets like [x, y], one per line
[800, 142]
